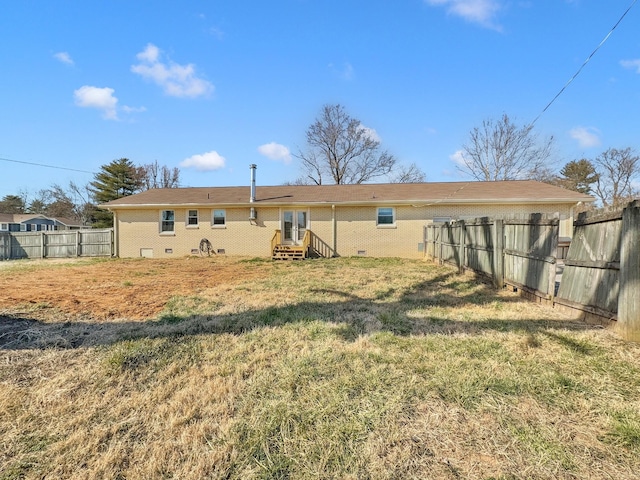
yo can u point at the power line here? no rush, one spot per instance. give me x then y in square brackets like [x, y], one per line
[585, 62]
[47, 166]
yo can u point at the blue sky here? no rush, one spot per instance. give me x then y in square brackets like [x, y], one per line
[213, 86]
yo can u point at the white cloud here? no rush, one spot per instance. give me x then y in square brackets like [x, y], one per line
[346, 71]
[457, 157]
[275, 151]
[63, 57]
[176, 80]
[370, 132]
[96, 97]
[631, 64]
[128, 109]
[482, 12]
[587, 137]
[205, 162]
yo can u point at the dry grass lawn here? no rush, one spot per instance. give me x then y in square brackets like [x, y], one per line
[350, 368]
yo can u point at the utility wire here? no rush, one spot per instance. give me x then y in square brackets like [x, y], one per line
[47, 166]
[584, 63]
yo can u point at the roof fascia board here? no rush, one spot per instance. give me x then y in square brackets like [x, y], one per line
[413, 203]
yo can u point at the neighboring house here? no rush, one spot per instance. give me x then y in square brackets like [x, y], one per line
[378, 220]
[13, 222]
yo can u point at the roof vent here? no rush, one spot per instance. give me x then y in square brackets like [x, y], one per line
[253, 182]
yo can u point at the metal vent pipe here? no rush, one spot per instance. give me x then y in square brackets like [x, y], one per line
[253, 182]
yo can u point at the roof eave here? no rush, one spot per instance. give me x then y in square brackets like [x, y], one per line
[414, 202]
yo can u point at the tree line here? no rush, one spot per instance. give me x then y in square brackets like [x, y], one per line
[502, 150]
[341, 150]
[117, 179]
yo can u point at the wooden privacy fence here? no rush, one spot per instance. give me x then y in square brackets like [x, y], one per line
[602, 269]
[601, 277]
[56, 244]
[515, 252]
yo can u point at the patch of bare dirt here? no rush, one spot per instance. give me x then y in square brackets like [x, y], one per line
[129, 288]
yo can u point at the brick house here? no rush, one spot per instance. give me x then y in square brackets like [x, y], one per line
[379, 220]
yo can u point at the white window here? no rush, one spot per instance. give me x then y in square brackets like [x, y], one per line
[192, 218]
[386, 216]
[4, 227]
[219, 218]
[167, 221]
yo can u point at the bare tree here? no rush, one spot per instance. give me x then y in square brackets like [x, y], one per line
[153, 175]
[408, 174]
[83, 201]
[75, 202]
[616, 171]
[500, 150]
[342, 150]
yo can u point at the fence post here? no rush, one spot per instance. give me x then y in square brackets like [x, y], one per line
[628, 324]
[441, 244]
[461, 241]
[42, 245]
[498, 253]
[424, 240]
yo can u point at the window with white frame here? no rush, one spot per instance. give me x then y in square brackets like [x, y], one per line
[167, 221]
[219, 218]
[4, 227]
[192, 218]
[386, 216]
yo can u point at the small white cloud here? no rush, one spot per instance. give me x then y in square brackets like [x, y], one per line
[216, 32]
[345, 72]
[63, 57]
[128, 109]
[631, 64]
[482, 12]
[176, 80]
[370, 132]
[150, 54]
[205, 162]
[275, 151]
[587, 137]
[457, 157]
[96, 97]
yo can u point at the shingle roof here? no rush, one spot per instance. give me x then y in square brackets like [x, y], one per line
[25, 217]
[518, 191]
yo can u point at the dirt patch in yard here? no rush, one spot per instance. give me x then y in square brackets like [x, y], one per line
[131, 289]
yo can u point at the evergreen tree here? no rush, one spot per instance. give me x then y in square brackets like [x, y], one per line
[578, 175]
[12, 204]
[118, 179]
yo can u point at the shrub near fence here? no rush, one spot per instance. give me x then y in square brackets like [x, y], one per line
[56, 244]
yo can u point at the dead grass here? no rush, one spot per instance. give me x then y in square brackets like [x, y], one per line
[346, 368]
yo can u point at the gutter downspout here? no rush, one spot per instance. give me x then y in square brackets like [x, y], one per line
[116, 249]
[334, 230]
